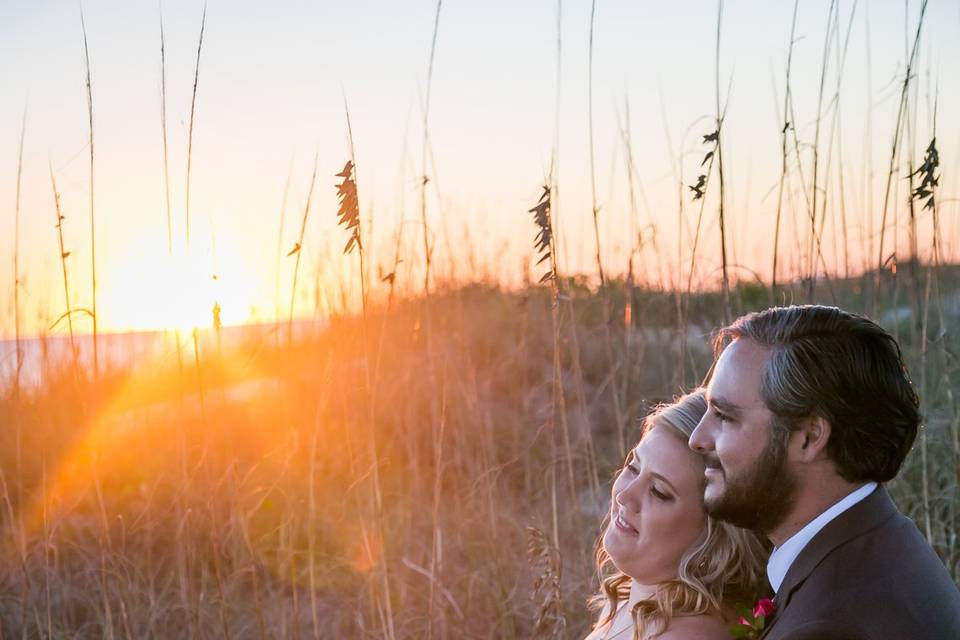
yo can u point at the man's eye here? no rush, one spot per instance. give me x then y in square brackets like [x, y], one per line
[721, 416]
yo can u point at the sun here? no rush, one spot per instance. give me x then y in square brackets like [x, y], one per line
[187, 290]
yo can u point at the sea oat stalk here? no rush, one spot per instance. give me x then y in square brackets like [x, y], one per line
[93, 228]
[193, 109]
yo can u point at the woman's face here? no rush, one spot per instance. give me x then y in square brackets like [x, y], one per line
[657, 510]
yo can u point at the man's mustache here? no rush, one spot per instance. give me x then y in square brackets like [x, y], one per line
[711, 461]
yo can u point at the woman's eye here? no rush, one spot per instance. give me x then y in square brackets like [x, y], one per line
[629, 465]
[659, 495]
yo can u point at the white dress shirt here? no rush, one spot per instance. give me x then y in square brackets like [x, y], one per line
[784, 555]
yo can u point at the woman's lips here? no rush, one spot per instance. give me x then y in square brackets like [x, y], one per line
[624, 526]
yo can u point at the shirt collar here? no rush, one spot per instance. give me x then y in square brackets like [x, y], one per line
[784, 555]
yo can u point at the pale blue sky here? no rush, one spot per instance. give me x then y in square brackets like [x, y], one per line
[272, 82]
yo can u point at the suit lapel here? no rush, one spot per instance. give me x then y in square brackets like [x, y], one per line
[867, 514]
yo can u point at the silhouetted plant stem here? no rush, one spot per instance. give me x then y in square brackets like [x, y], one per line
[811, 271]
[298, 248]
[723, 229]
[349, 217]
[163, 126]
[63, 264]
[18, 428]
[783, 158]
[93, 228]
[427, 250]
[16, 269]
[894, 147]
[193, 108]
[283, 216]
[593, 169]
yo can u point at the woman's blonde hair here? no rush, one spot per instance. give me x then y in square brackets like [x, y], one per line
[725, 568]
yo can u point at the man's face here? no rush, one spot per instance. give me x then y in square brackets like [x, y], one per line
[748, 482]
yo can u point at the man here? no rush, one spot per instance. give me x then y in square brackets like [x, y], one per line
[810, 412]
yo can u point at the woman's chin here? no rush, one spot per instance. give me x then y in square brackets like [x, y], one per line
[616, 545]
[625, 554]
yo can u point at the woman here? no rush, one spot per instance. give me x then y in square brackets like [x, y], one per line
[668, 570]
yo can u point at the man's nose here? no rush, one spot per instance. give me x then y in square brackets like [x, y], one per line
[701, 440]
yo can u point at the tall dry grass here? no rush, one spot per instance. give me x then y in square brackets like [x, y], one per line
[193, 111]
[64, 254]
[902, 116]
[277, 533]
[18, 355]
[93, 226]
[435, 466]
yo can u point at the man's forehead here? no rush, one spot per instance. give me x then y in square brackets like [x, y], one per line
[737, 370]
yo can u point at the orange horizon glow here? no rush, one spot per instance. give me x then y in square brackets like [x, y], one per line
[498, 118]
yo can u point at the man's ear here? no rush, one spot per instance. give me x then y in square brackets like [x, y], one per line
[810, 440]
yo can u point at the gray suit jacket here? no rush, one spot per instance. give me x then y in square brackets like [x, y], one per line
[867, 575]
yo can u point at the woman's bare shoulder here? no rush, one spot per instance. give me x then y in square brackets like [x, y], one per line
[701, 627]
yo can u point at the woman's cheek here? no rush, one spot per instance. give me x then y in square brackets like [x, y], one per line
[690, 524]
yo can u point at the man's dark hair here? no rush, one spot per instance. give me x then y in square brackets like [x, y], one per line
[843, 368]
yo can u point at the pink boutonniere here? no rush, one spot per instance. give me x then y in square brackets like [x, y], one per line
[752, 622]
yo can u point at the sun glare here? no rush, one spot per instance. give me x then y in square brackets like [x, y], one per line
[183, 291]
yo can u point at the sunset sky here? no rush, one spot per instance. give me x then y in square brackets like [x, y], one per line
[272, 84]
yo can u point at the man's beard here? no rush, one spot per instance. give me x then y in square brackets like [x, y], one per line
[760, 498]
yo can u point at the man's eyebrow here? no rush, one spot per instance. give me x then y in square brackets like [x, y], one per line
[721, 403]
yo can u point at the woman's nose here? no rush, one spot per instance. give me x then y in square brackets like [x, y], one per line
[629, 498]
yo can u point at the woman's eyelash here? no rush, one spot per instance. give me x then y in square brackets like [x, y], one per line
[659, 494]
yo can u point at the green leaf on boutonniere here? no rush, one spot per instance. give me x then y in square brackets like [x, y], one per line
[739, 631]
